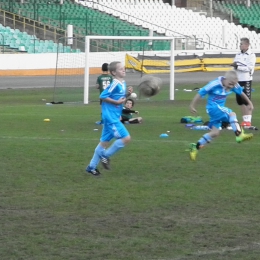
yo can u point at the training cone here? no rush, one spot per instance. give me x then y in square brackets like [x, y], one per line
[164, 135]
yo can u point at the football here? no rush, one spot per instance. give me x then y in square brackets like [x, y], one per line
[149, 86]
[133, 95]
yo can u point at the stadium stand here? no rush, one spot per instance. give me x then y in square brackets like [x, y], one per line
[85, 21]
[14, 40]
[247, 15]
[179, 22]
[17, 41]
[132, 18]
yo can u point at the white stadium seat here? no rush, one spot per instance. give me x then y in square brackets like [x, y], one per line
[170, 20]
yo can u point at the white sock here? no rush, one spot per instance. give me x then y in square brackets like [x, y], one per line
[247, 118]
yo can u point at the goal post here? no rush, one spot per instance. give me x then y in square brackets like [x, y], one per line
[69, 72]
[146, 54]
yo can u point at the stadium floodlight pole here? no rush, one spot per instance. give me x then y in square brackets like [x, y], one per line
[138, 38]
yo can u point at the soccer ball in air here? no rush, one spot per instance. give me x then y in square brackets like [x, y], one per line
[149, 86]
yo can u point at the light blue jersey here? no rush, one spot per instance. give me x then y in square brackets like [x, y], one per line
[217, 95]
[110, 112]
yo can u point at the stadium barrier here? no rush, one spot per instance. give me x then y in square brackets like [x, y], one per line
[206, 63]
[45, 64]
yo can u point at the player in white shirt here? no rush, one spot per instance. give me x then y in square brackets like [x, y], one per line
[244, 64]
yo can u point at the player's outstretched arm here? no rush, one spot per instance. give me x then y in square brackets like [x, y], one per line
[194, 103]
[129, 111]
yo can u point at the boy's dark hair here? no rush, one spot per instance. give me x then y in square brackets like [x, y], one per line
[105, 67]
[130, 99]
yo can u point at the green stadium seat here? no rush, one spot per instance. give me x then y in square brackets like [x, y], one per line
[76, 50]
[31, 49]
[13, 44]
[98, 22]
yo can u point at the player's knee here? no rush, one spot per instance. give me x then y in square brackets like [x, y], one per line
[215, 135]
[126, 139]
[103, 144]
[214, 132]
[232, 114]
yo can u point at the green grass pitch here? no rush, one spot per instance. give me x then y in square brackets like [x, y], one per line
[154, 203]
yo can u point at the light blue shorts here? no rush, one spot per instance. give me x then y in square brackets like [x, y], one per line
[115, 130]
[217, 115]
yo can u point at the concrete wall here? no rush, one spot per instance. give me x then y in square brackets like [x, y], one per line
[45, 64]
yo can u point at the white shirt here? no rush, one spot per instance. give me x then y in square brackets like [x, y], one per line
[246, 65]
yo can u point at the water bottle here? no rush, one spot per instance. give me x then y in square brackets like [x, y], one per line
[200, 127]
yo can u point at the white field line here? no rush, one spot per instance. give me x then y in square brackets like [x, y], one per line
[70, 115]
[254, 245]
[85, 139]
[161, 140]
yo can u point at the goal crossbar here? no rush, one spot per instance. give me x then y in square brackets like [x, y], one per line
[140, 38]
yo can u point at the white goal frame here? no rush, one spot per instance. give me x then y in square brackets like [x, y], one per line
[150, 38]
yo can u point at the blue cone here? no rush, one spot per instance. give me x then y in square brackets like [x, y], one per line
[164, 135]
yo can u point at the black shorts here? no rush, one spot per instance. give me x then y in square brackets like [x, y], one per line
[247, 90]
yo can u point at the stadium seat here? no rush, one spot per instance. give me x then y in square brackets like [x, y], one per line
[144, 15]
[21, 48]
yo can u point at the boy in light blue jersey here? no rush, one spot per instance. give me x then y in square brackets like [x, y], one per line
[217, 91]
[113, 98]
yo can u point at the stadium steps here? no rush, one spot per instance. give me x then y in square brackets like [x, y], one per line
[75, 14]
[86, 21]
[23, 42]
[17, 41]
[247, 16]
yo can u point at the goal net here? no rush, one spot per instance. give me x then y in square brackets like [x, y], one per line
[140, 55]
[79, 65]
[69, 73]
